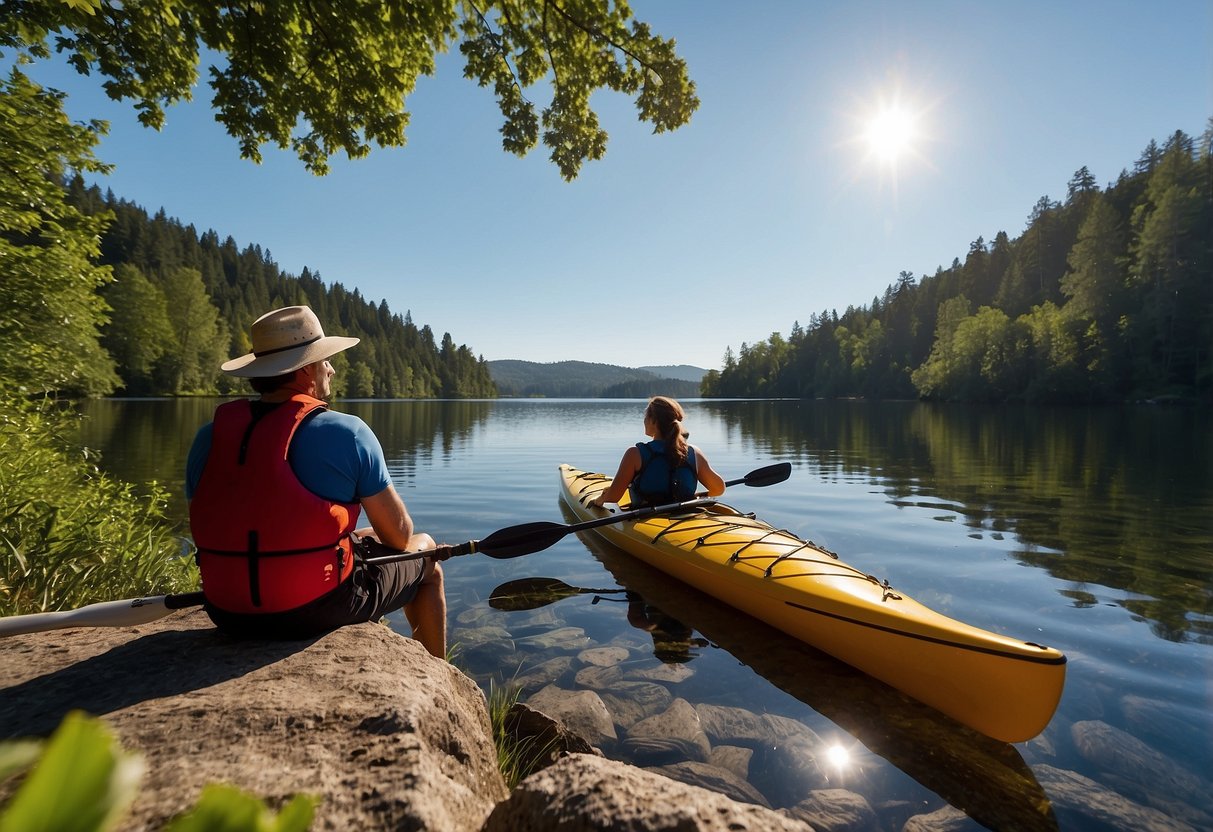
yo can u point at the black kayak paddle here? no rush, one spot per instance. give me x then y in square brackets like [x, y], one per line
[533, 593]
[511, 542]
[527, 538]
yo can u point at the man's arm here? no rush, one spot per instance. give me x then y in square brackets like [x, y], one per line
[389, 518]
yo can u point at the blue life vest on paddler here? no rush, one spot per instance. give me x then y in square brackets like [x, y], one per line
[265, 543]
[658, 482]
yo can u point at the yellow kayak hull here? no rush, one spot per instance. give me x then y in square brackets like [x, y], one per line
[1003, 687]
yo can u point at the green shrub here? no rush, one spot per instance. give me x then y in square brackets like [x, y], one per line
[70, 535]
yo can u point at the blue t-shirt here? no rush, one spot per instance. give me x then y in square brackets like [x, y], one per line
[335, 456]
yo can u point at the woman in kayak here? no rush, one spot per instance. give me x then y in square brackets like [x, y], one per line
[666, 469]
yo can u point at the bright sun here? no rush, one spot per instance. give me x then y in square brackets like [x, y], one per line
[890, 133]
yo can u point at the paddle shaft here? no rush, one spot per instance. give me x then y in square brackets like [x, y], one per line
[510, 542]
[528, 538]
[105, 614]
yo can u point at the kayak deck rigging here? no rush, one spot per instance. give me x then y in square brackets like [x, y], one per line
[594, 484]
[1002, 686]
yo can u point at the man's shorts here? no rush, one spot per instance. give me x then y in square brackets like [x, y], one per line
[370, 592]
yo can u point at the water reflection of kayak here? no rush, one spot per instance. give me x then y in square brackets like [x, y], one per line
[1001, 686]
[985, 778]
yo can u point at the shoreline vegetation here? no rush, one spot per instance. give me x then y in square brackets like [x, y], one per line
[71, 535]
[1104, 298]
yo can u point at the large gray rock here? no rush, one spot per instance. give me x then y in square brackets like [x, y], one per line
[543, 674]
[386, 735]
[944, 819]
[737, 726]
[539, 740]
[714, 779]
[1140, 769]
[582, 711]
[835, 810]
[630, 702]
[734, 758]
[591, 794]
[789, 772]
[1167, 725]
[1081, 803]
[672, 736]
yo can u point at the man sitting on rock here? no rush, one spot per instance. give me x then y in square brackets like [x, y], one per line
[275, 487]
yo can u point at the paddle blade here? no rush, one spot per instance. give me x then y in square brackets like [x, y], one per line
[532, 593]
[769, 475]
[529, 594]
[516, 541]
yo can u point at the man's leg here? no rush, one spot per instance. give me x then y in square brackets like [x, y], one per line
[426, 607]
[427, 611]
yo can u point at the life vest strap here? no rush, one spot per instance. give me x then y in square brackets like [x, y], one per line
[254, 573]
[253, 552]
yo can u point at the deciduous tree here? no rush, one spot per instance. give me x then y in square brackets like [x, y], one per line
[49, 306]
[201, 338]
[138, 333]
[320, 76]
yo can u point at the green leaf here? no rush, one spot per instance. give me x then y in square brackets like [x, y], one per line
[18, 755]
[304, 76]
[83, 783]
[223, 808]
[297, 815]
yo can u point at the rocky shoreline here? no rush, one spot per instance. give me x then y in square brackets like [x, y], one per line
[391, 738]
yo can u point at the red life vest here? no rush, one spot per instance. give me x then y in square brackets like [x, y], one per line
[265, 543]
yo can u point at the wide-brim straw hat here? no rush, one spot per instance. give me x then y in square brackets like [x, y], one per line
[285, 340]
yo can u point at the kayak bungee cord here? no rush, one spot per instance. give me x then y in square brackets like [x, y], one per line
[796, 544]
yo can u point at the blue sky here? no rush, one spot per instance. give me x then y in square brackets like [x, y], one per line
[769, 206]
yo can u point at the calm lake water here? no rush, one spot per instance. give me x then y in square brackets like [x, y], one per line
[1090, 530]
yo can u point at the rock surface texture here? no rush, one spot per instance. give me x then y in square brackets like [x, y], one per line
[388, 736]
[583, 793]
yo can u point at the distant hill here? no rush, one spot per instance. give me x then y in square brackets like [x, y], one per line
[585, 380]
[684, 372]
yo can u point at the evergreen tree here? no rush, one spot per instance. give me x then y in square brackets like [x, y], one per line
[1148, 158]
[1081, 185]
[361, 383]
[1036, 266]
[1095, 284]
[1166, 250]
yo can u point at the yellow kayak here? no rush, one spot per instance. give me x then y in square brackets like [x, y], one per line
[1006, 688]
